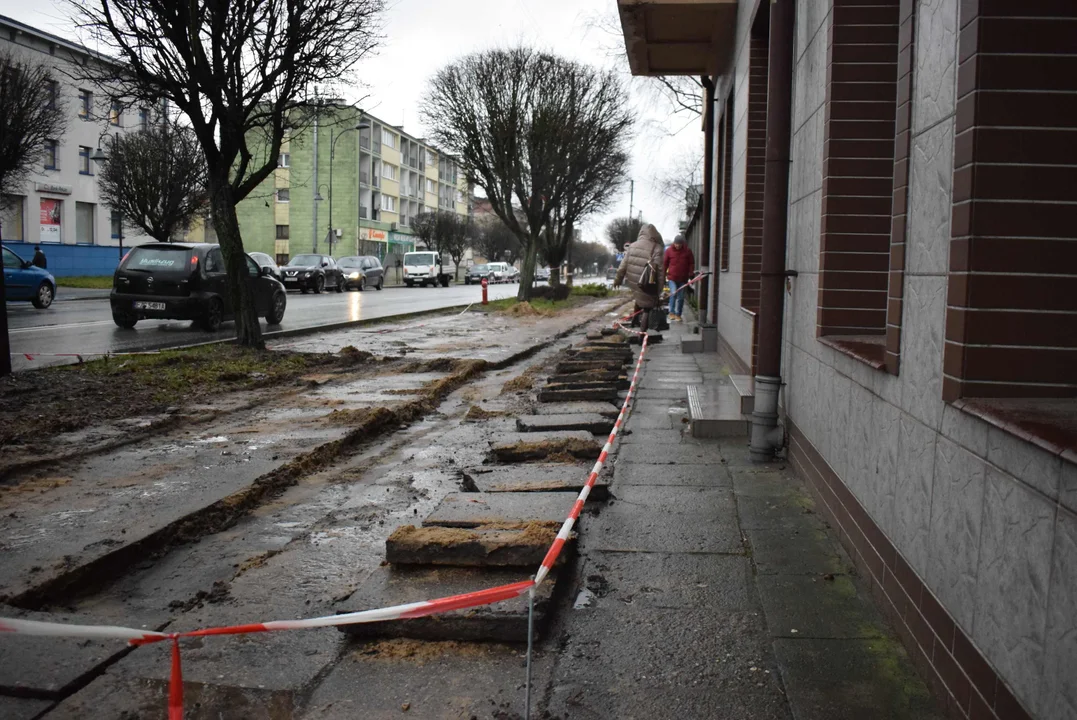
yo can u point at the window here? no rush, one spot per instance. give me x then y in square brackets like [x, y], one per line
[388, 171]
[85, 167]
[283, 232]
[284, 195]
[214, 261]
[115, 113]
[84, 216]
[388, 203]
[144, 118]
[431, 158]
[285, 160]
[727, 176]
[11, 217]
[252, 268]
[388, 139]
[459, 196]
[282, 258]
[11, 260]
[50, 155]
[116, 222]
[431, 186]
[52, 89]
[85, 104]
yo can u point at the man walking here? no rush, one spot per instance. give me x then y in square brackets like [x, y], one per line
[39, 258]
[642, 270]
[680, 265]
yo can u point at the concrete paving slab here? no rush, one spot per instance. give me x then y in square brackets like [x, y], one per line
[852, 680]
[675, 436]
[567, 367]
[524, 447]
[13, 708]
[585, 383]
[811, 552]
[468, 510]
[706, 476]
[604, 409]
[769, 513]
[612, 377]
[660, 454]
[629, 662]
[505, 621]
[442, 680]
[472, 547]
[667, 519]
[559, 394]
[686, 581]
[536, 477]
[807, 606]
[592, 423]
[52, 667]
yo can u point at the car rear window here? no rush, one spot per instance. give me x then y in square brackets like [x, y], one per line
[349, 262]
[159, 259]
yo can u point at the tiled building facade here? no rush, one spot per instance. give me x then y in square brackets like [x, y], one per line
[929, 333]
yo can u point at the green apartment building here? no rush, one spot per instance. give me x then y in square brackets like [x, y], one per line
[358, 199]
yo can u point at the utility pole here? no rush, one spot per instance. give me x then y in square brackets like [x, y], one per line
[631, 197]
[314, 185]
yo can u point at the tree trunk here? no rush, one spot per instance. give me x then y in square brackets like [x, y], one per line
[555, 275]
[5, 339]
[527, 272]
[569, 268]
[225, 222]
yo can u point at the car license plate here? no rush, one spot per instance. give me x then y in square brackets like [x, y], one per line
[149, 306]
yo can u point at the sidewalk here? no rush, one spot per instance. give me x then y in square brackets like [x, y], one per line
[711, 589]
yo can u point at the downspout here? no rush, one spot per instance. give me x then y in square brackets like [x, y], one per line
[767, 435]
[708, 189]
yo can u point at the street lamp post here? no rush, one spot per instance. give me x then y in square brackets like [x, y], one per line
[361, 125]
[99, 156]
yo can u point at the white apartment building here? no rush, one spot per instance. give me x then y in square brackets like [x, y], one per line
[59, 203]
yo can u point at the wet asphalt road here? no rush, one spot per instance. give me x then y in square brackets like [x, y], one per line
[86, 326]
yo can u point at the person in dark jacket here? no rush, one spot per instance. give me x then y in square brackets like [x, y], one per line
[644, 253]
[39, 258]
[680, 265]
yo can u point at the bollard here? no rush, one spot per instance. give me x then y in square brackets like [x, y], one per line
[485, 301]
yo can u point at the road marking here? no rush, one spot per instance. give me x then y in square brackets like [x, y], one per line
[39, 328]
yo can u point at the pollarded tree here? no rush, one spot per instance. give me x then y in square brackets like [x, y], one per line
[517, 122]
[239, 71]
[31, 116]
[155, 178]
[494, 241]
[456, 239]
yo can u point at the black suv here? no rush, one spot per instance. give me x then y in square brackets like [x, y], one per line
[476, 273]
[312, 272]
[185, 281]
[362, 271]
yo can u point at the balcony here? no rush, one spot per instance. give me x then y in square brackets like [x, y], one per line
[364, 177]
[678, 37]
[364, 142]
[363, 212]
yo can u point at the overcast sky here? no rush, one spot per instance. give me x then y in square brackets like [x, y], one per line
[423, 35]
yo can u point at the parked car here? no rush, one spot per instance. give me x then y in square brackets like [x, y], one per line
[312, 272]
[500, 272]
[425, 268]
[477, 273]
[611, 273]
[267, 263]
[542, 273]
[514, 273]
[25, 281]
[186, 281]
[361, 271]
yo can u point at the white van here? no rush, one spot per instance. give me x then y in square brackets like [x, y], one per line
[424, 268]
[501, 272]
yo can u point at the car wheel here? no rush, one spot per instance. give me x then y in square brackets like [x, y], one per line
[380, 285]
[304, 290]
[211, 321]
[362, 284]
[43, 297]
[124, 319]
[409, 283]
[319, 284]
[340, 285]
[276, 313]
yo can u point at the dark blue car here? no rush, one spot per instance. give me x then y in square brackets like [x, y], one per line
[25, 281]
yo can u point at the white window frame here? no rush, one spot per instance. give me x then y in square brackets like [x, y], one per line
[388, 203]
[389, 139]
[284, 160]
[388, 171]
[287, 195]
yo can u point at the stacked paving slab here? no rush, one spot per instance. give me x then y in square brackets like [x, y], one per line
[498, 528]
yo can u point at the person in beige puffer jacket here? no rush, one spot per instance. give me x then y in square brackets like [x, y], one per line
[648, 248]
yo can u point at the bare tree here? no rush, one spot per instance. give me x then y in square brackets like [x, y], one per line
[588, 255]
[623, 231]
[31, 116]
[458, 237]
[678, 182]
[156, 179]
[494, 241]
[424, 225]
[516, 120]
[240, 72]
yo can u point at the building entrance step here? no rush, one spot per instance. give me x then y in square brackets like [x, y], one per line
[714, 412]
[745, 387]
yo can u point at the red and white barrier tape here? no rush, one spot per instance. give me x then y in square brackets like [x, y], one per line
[397, 612]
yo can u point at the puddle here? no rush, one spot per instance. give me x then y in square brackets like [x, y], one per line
[215, 439]
[585, 599]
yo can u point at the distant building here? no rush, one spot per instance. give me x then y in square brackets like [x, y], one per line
[380, 176]
[60, 205]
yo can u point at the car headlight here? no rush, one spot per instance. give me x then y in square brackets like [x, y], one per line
[354, 276]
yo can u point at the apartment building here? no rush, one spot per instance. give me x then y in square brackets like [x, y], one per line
[361, 195]
[890, 217]
[59, 205]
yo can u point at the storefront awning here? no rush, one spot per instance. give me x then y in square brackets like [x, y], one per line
[678, 37]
